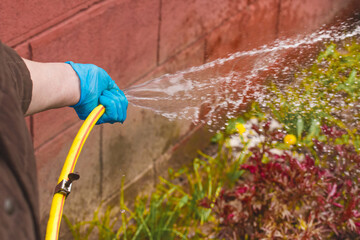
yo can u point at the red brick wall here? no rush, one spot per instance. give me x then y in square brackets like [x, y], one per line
[135, 40]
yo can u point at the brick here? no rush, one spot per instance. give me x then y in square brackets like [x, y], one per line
[301, 17]
[50, 159]
[191, 56]
[130, 149]
[119, 36]
[51, 123]
[184, 22]
[23, 19]
[251, 28]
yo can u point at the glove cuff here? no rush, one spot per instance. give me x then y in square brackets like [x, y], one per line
[72, 64]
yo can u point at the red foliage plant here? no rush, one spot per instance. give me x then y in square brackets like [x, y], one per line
[288, 196]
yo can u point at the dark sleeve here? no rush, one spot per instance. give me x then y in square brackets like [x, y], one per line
[19, 203]
[19, 75]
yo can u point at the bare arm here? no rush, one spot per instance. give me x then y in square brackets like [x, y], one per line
[54, 85]
[58, 85]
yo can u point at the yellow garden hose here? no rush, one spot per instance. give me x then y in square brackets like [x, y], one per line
[53, 226]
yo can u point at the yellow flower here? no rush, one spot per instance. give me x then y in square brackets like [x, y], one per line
[240, 128]
[290, 139]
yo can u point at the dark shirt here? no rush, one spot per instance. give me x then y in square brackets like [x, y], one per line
[19, 207]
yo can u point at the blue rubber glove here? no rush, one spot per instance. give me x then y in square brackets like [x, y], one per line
[96, 88]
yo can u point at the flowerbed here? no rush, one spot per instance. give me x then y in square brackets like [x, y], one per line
[289, 170]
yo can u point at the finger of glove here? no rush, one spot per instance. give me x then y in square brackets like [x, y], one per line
[111, 84]
[123, 101]
[113, 112]
[110, 115]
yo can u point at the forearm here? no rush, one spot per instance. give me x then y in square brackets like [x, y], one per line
[54, 85]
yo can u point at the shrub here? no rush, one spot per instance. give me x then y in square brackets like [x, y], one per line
[309, 190]
[284, 195]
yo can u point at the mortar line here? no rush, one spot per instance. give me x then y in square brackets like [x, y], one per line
[31, 54]
[155, 172]
[205, 51]
[277, 27]
[159, 33]
[101, 162]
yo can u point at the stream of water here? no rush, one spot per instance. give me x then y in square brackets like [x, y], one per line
[218, 89]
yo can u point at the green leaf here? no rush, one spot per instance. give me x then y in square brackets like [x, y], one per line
[328, 52]
[230, 128]
[299, 127]
[352, 77]
[314, 128]
[183, 201]
[217, 137]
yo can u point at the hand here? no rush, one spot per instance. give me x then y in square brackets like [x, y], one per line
[96, 87]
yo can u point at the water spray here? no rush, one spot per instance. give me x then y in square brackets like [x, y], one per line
[189, 91]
